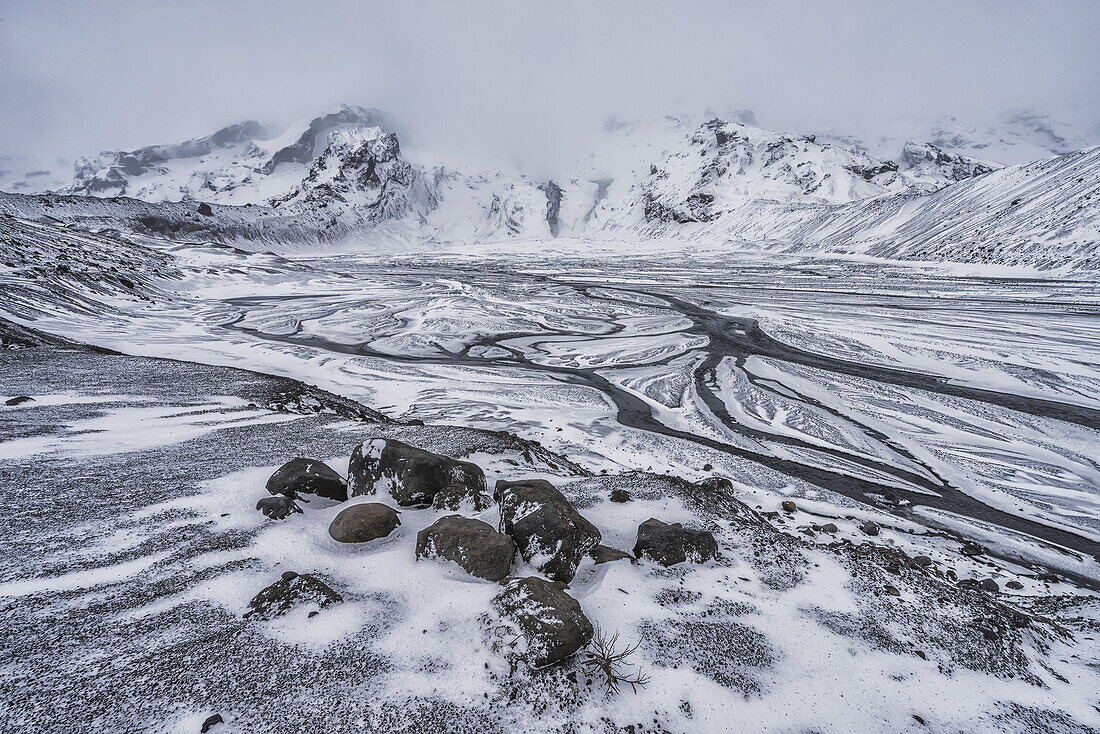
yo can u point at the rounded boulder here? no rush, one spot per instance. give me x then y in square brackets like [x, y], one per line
[362, 523]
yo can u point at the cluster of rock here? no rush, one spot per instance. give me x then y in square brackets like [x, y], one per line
[536, 520]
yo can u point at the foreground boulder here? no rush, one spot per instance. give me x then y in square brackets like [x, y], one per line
[413, 476]
[453, 496]
[671, 544]
[549, 622]
[307, 476]
[472, 544]
[361, 523]
[549, 532]
[278, 507]
[292, 590]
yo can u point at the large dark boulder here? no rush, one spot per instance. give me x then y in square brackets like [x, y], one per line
[307, 476]
[413, 476]
[472, 544]
[671, 544]
[278, 507]
[292, 590]
[360, 523]
[549, 532]
[548, 621]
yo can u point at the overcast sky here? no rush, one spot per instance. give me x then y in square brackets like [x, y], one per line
[526, 78]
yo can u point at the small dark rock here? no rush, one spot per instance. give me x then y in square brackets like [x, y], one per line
[289, 575]
[474, 545]
[605, 554]
[307, 476]
[989, 585]
[549, 620]
[210, 723]
[922, 561]
[362, 523]
[671, 544]
[205, 210]
[869, 528]
[788, 506]
[708, 467]
[918, 719]
[452, 496]
[715, 484]
[620, 495]
[1051, 578]
[412, 475]
[287, 593]
[1014, 585]
[829, 528]
[891, 590]
[278, 507]
[971, 549]
[19, 400]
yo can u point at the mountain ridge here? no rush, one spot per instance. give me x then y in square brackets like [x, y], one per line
[342, 176]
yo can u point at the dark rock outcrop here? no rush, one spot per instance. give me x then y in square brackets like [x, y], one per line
[307, 476]
[671, 544]
[869, 528]
[292, 590]
[550, 623]
[412, 475]
[361, 523]
[553, 206]
[19, 400]
[548, 530]
[278, 507]
[474, 545]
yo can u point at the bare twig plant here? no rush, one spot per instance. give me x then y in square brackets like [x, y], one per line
[603, 660]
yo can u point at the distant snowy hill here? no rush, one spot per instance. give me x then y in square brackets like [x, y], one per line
[341, 177]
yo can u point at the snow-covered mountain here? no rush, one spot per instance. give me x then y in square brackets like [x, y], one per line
[241, 164]
[341, 176]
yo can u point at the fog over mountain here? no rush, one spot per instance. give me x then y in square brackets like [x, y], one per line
[529, 82]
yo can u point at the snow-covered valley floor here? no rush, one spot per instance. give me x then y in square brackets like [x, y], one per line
[944, 406]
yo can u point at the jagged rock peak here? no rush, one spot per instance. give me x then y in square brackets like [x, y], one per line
[306, 145]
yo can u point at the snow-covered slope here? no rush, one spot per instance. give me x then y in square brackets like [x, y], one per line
[1044, 214]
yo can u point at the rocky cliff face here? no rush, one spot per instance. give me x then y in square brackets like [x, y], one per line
[361, 177]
